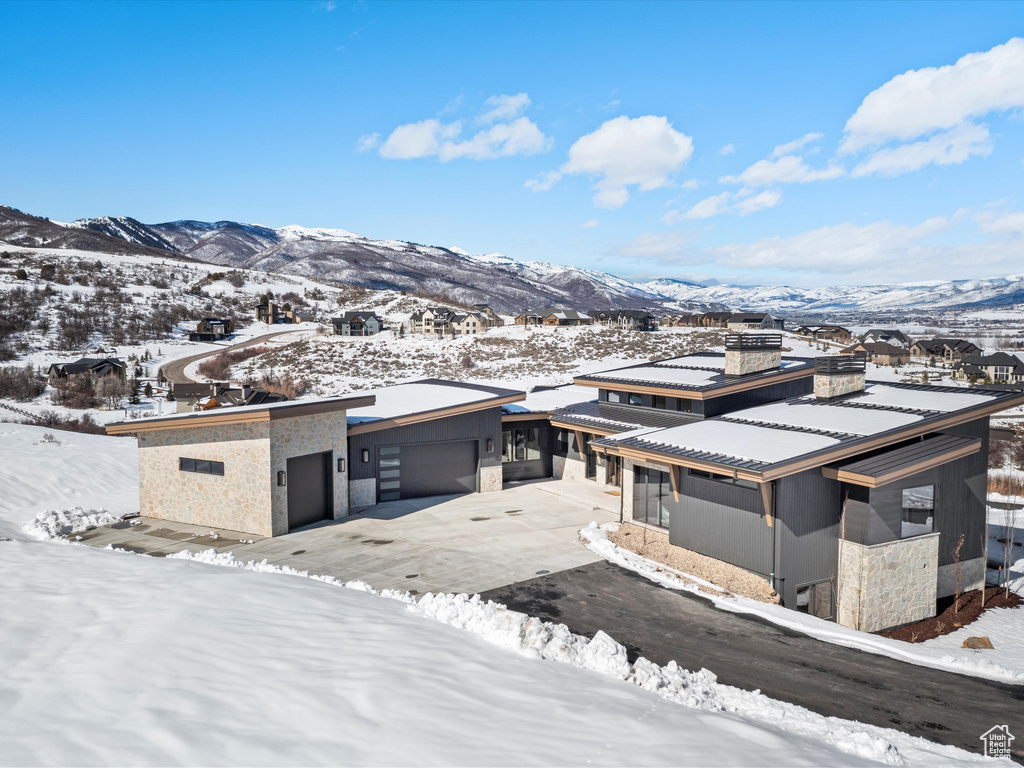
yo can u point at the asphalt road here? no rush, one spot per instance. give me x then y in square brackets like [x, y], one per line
[174, 371]
[663, 624]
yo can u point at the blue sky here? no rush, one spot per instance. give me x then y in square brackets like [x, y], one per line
[805, 143]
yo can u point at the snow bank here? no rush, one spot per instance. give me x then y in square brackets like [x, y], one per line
[57, 523]
[1004, 664]
[537, 639]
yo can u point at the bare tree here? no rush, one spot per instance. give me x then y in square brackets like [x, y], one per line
[111, 391]
[958, 570]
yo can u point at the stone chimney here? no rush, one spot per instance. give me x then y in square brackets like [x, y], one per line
[747, 353]
[838, 375]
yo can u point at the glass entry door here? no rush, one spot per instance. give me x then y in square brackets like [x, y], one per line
[652, 490]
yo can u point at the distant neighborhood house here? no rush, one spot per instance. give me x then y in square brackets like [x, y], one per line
[753, 321]
[950, 350]
[626, 319]
[212, 329]
[892, 336]
[357, 323]
[92, 368]
[554, 317]
[272, 313]
[208, 396]
[998, 368]
[879, 353]
[825, 332]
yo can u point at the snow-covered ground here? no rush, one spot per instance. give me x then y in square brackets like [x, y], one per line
[111, 657]
[1004, 626]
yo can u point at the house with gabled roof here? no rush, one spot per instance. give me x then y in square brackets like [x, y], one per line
[878, 352]
[432, 320]
[949, 350]
[357, 323]
[997, 368]
[892, 336]
[825, 332]
[92, 368]
[627, 319]
[753, 321]
[212, 329]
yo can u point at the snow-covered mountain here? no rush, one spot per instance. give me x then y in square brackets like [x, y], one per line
[452, 274]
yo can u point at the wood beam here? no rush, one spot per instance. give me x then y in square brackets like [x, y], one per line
[767, 498]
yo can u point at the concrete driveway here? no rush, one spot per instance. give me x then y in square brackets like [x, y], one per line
[468, 543]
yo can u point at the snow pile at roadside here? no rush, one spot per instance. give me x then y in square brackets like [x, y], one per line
[1004, 664]
[126, 659]
[57, 523]
[537, 639]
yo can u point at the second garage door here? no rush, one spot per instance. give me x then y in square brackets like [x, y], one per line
[426, 469]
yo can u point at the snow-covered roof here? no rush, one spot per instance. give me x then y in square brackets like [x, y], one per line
[416, 397]
[923, 398]
[699, 371]
[548, 399]
[806, 413]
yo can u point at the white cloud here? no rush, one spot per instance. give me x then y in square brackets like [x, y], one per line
[590, 224]
[767, 199]
[504, 107]
[642, 152]
[1004, 224]
[727, 149]
[667, 245]
[922, 101]
[367, 142]
[543, 182]
[834, 249]
[788, 169]
[520, 137]
[690, 184]
[946, 148]
[705, 209]
[422, 139]
[796, 145]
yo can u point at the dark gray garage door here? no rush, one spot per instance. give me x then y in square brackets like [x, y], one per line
[310, 494]
[426, 469]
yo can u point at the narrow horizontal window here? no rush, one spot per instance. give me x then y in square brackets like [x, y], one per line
[201, 466]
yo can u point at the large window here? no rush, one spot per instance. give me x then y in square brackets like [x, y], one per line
[652, 490]
[201, 466]
[520, 444]
[728, 479]
[918, 516]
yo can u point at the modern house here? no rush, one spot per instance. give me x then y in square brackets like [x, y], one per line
[627, 319]
[212, 329]
[208, 396]
[949, 350]
[825, 333]
[263, 470]
[997, 368]
[356, 323]
[435, 320]
[892, 336]
[92, 368]
[426, 438]
[879, 352]
[753, 321]
[848, 496]
[272, 313]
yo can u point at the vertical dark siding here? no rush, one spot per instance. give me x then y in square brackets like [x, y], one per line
[469, 426]
[960, 497]
[722, 521]
[807, 507]
[717, 406]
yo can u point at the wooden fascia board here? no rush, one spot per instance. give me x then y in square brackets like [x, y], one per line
[539, 416]
[903, 433]
[871, 481]
[440, 413]
[730, 389]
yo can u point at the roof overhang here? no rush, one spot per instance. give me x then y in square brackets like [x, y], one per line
[240, 415]
[752, 381]
[439, 413]
[901, 463]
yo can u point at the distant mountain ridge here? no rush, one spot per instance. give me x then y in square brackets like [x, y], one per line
[507, 284]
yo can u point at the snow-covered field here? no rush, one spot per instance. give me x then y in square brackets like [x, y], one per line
[111, 657]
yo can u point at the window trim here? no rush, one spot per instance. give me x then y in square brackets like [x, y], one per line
[201, 466]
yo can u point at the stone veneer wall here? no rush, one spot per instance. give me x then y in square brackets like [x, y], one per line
[573, 469]
[557, 466]
[239, 500]
[362, 493]
[741, 362]
[886, 585]
[490, 479]
[972, 576]
[827, 387]
[299, 436]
